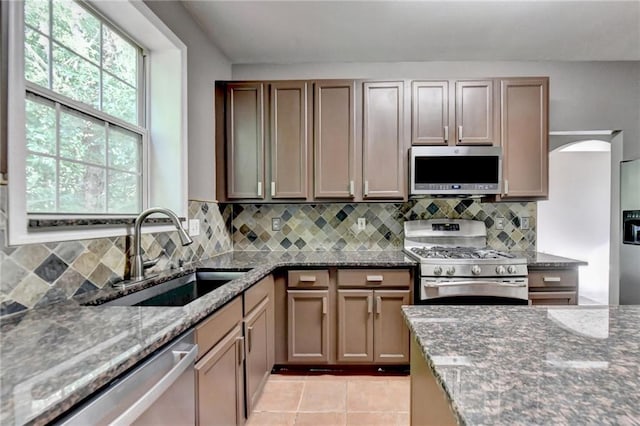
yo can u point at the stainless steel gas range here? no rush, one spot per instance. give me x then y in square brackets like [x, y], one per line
[457, 267]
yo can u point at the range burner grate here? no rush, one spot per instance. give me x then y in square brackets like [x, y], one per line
[438, 252]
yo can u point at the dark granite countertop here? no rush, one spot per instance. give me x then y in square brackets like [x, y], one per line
[53, 357]
[538, 260]
[511, 365]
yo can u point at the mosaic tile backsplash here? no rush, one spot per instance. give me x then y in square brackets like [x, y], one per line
[334, 226]
[38, 274]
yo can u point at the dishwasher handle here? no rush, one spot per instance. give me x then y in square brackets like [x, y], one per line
[184, 359]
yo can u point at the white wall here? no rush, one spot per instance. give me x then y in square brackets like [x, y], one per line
[574, 222]
[206, 64]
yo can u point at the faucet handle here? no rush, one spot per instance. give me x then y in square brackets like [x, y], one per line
[152, 262]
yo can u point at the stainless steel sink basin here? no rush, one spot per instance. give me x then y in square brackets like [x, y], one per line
[179, 291]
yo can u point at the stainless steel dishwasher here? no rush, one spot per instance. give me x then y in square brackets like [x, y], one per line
[161, 391]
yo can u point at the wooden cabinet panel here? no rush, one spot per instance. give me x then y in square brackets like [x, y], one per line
[334, 139]
[355, 325]
[308, 326]
[211, 330]
[430, 113]
[308, 279]
[391, 335]
[289, 140]
[245, 140]
[383, 140]
[259, 347]
[220, 382]
[525, 137]
[553, 298]
[374, 278]
[475, 119]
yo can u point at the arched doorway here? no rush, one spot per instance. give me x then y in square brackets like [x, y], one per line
[575, 221]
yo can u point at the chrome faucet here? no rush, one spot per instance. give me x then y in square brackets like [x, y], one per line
[138, 265]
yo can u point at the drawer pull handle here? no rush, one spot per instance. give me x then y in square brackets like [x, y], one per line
[375, 278]
[307, 278]
[551, 279]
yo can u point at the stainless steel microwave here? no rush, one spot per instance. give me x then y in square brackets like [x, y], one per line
[455, 170]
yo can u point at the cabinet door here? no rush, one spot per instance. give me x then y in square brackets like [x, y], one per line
[355, 325]
[289, 140]
[430, 113]
[383, 140]
[525, 137]
[259, 344]
[308, 326]
[245, 140]
[334, 139]
[220, 382]
[475, 113]
[391, 335]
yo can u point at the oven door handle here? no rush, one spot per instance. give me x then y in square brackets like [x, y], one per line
[433, 284]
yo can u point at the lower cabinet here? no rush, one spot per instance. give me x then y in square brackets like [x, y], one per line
[259, 338]
[308, 326]
[371, 328]
[553, 286]
[220, 382]
[235, 356]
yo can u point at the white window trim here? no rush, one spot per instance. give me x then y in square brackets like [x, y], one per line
[165, 79]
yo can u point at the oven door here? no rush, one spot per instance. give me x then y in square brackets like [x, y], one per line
[480, 290]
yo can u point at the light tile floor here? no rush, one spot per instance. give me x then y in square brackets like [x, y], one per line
[326, 400]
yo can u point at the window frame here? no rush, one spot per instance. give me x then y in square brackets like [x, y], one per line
[166, 61]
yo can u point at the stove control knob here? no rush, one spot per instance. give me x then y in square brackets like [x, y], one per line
[500, 270]
[512, 269]
[437, 270]
[475, 270]
[451, 270]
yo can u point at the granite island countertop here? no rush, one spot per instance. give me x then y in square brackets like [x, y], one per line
[53, 357]
[506, 365]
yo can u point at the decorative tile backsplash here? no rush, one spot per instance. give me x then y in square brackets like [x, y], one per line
[334, 226]
[39, 274]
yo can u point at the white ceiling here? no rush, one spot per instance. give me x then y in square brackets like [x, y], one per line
[388, 31]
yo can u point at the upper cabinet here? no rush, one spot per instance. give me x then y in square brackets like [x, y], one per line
[383, 141]
[347, 140]
[525, 137]
[289, 140]
[245, 140]
[430, 113]
[475, 120]
[334, 139]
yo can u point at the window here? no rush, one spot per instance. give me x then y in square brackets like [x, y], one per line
[97, 153]
[83, 114]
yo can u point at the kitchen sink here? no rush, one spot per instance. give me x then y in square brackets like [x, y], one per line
[178, 291]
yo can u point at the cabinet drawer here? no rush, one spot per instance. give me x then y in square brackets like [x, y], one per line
[308, 279]
[211, 330]
[254, 295]
[553, 278]
[553, 298]
[374, 278]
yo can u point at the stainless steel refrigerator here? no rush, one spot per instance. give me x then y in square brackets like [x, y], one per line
[630, 247]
